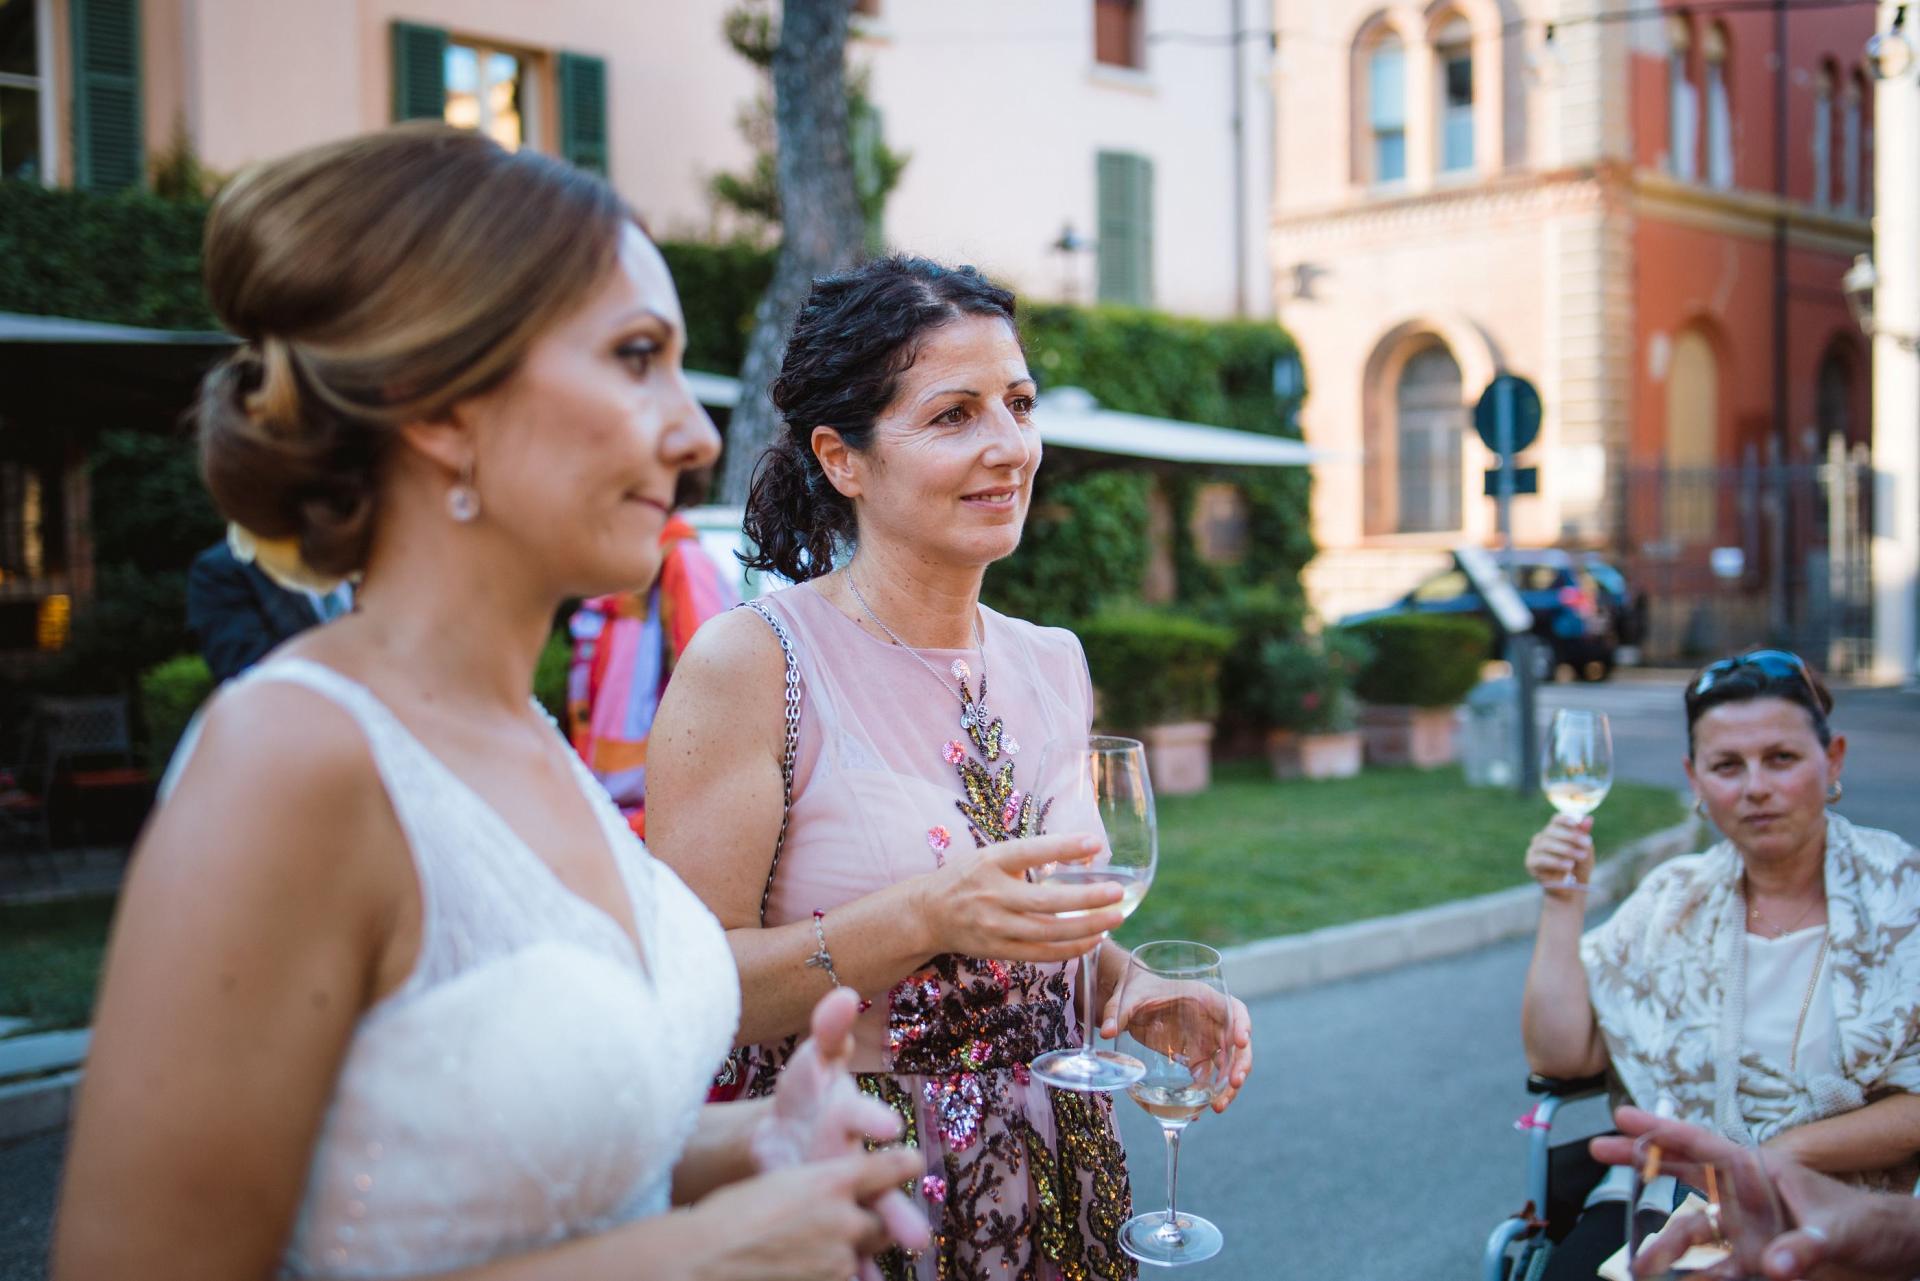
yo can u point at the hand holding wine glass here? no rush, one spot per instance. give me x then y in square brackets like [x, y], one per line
[1576, 769]
[1179, 1021]
[1098, 785]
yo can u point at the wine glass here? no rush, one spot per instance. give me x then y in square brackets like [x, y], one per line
[1177, 1019]
[1101, 788]
[1720, 1231]
[1576, 769]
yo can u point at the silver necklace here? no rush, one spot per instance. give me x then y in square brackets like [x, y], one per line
[1754, 913]
[972, 710]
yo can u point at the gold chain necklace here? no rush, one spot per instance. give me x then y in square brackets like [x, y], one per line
[1753, 914]
[1806, 1003]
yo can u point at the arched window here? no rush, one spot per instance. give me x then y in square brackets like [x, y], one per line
[1387, 109]
[1719, 111]
[1851, 179]
[1453, 73]
[1693, 438]
[1430, 419]
[1823, 139]
[1834, 396]
[1683, 105]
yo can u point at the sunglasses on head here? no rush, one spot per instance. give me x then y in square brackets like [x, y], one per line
[1774, 664]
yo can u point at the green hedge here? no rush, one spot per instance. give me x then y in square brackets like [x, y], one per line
[1306, 683]
[1085, 545]
[130, 258]
[1154, 668]
[719, 287]
[550, 677]
[169, 696]
[1426, 660]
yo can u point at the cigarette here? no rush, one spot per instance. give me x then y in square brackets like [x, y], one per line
[1713, 1189]
[1651, 1170]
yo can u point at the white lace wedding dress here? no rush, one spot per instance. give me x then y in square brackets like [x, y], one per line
[533, 1079]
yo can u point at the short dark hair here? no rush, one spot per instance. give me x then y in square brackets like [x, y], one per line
[1742, 678]
[853, 337]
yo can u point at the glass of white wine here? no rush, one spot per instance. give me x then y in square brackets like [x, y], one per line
[1100, 786]
[1178, 1020]
[1576, 769]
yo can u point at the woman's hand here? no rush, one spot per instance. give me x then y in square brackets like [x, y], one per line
[814, 1222]
[986, 906]
[1132, 1009]
[1564, 845]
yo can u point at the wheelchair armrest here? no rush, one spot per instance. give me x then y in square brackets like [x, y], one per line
[1575, 1087]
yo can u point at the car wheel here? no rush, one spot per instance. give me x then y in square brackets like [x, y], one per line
[1596, 669]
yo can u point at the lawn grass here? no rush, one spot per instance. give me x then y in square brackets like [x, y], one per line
[1252, 857]
[50, 956]
[1246, 860]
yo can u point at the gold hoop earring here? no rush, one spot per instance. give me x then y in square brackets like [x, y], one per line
[463, 500]
[1835, 792]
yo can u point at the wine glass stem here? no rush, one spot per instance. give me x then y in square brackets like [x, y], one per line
[1171, 1232]
[1089, 977]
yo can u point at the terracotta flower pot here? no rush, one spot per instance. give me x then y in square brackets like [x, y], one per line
[1180, 757]
[1335, 755]
[1417, 736]
[1283, 753]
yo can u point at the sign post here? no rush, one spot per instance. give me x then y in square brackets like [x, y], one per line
[1507, 418]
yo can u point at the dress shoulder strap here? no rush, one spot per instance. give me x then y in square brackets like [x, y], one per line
[790, 747]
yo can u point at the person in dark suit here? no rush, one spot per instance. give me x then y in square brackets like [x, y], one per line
[237, 613]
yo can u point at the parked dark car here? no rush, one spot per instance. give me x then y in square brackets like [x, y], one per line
[1627, 604]
[1571, 613]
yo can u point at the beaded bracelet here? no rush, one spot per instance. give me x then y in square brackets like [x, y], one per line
[823, 959]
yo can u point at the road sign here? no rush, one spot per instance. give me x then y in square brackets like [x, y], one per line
[1526, 480]
[1521, 401]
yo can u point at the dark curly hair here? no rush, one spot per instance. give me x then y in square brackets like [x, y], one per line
[853, 337]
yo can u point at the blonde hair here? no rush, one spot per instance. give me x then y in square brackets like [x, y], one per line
[378, 281]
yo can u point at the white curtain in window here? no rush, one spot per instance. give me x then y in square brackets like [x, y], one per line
[1719, 127]
[1850, 149]
[1823, 144]
[1683, 120]
[1387, 109]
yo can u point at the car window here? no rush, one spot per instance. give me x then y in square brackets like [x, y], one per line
[1445, 586]
[1608, 577]
[1537, 578]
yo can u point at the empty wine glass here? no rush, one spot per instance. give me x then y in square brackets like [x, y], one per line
[1177, 1019]
[1100, 787]
[1576, 768]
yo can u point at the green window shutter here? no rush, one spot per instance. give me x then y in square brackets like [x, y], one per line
[1124, 252]
[109, 143]
[419, 72]
[583, 111]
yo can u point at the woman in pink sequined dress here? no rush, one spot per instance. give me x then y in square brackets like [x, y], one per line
[908, 458]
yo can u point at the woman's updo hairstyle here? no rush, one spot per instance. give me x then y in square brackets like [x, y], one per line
[1767, 673]
[375, 282]
[852, 338]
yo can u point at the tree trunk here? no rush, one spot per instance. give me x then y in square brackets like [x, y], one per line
[822, 229]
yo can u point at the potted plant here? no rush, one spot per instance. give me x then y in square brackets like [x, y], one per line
[1420, 668]
[1157, 676]
[1304, 696]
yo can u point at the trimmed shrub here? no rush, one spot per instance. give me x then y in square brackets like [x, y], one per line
[1259, 617]
[1305, 684]
[169, 696]
[1425, 660]
[1154, 668]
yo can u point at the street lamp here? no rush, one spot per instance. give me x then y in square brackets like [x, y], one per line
[1068, 243]
[1890, 52]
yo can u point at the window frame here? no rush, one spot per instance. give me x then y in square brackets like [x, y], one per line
[1387, 40]
[1823, 121]
[1452, 43]
[41, 85]
[1683, 103]
[532, 105]
[1136, 21]
[1718, 114]
[1853, 137]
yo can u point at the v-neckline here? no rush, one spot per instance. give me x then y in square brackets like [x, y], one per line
[492, 815]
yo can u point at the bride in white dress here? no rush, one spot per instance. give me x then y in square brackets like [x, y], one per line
[393, 990]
